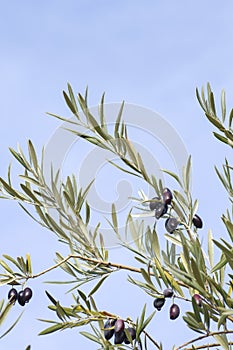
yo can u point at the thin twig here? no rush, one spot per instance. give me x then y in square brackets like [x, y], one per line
[207, 346]
[211, 334]
[94, 261]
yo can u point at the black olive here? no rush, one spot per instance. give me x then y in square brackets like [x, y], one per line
[154, 204]
[197, 221]
[12, 295]
[27, 294]
[119, 337]
[158, 303]
[132, 333]
[160, 210]
[167, 196]
[108, 333]
[174, 311]
[119, 326]
[171, 224]
[21, 299]
[168, 293]
[198, 299]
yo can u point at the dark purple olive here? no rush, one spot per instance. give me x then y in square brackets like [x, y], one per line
[27, 293]
[119, 337]
[132, 333]
[158, 303]
[197, 221]
[108, 333]
[174, 311]
[160, 210]
[21, 299]
[167, 196]
[154, 204]
[168, 293]
[12, 295]
[119, 326]
[171, 224]
[198, 299]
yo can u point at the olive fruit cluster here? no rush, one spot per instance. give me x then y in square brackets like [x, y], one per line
[160, 206]
[22, 297]
[159, 303]
[117, 328]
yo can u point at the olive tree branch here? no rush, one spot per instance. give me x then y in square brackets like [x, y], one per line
[210, 334]
[94, 261]
[91, 260]
[207, 346]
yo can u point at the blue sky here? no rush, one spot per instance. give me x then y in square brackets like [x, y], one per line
[152, 54]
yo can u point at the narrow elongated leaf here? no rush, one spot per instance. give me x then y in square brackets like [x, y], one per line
[11, 191]
[69, 103]
[91, 337]
[72, 99]
[118, 121]
[32, 154]
[210, 249]
[98, 285]
[52, 329]
[11, 327]
[20, 159]
[222, 339]
[223, 105]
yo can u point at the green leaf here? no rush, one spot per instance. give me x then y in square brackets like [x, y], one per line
[197, 273]
[118, 121]
[91, 337]
[176, 177]
[11, 327]
[122, 169]
[32, 155]
[5, 311]
[187, 175]
[220, 137]
[210, 249]
[230, 118]
[11, 191]
[55, 227]
[69, 103]
[98, 285]
[51, 298]
[155, 244]
[11, 260]
[52, 329]
[72, 99]
[20, 159]
[6, 267]
[222, 339]
[114, 217]
[223, 105]
[28, 264]
[30, 194]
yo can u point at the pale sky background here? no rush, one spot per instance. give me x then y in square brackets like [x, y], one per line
[151, 53]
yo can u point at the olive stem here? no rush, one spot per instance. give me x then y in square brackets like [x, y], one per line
[94, 261]
[208, 346]
[210, 334]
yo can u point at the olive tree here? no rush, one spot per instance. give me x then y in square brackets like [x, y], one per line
[183, 270]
